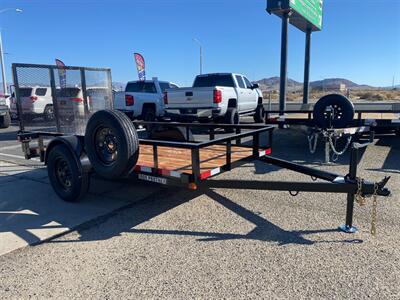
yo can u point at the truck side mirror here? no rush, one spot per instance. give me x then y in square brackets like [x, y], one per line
[255, 86]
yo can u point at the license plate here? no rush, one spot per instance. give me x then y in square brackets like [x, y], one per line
[152, 179]
[189, 111]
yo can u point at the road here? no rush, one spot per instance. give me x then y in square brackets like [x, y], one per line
[221, 243]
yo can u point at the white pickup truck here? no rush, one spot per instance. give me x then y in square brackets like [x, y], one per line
[220, 97]
[143, 99]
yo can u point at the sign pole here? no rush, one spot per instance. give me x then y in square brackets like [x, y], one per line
[284, 54]
[306, 86]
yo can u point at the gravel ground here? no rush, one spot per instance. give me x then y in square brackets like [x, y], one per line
[226, 243]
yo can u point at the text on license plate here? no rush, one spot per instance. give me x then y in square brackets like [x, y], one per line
[152, 179]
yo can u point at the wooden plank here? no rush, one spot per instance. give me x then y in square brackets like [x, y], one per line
[177, 159]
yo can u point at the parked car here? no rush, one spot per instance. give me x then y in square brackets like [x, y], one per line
[221, 97]
[143, 99]
[35, 102]
[71, 104]
[5, 119]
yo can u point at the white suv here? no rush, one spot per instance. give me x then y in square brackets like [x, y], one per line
[35, 102]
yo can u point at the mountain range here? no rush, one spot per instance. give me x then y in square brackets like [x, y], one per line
[272, 83]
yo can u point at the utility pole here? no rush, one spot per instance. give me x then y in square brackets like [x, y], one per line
[201, 54]
[3, 72]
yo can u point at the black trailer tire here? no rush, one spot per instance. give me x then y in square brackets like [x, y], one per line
[259, 114]
[231, 118]
[343, 107]
[111, 144]
[48, 113]
[5, 121]
[66, 177]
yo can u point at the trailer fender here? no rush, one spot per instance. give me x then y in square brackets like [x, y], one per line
[73, 143]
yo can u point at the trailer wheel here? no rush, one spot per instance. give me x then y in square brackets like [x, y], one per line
[111, 143]
[259, 114]
[231, 118]
[342, 108]
[66, 177]
[5, 120]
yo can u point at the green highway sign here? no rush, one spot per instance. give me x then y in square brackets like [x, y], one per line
[306, 15]
[311, 10]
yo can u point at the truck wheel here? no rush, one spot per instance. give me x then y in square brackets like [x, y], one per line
[232, 118]
[5, 120]
[49, 113]
[111, 143]
[342, 109]
[148, 114]
[66, 177]
[259, 114]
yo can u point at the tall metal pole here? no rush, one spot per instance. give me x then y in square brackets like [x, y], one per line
[201, 54]
[3, 72]
[306, 87]
[284, 53]
[201, 60]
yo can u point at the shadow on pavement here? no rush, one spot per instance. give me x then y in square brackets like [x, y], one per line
[153, 206]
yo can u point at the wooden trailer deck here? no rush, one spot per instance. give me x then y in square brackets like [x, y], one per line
[179, 160]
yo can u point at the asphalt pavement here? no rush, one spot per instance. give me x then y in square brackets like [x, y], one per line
[165, 242]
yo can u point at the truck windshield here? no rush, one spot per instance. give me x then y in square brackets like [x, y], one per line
[141, 87]
[213, 80]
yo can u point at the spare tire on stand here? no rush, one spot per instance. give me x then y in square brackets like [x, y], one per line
[111, 144]
[341, 115]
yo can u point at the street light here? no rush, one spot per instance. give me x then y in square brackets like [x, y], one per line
[201, 54]
[3, 73]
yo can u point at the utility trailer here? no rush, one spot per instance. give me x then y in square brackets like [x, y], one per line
[334, 117]
[168, 153]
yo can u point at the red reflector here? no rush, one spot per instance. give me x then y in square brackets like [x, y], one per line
[165, 98]
[217, 96]
[205, 175]
[77, 100]
[33, 98]
[129, 100]
[268, 151]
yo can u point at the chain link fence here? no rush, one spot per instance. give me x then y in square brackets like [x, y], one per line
[59, 99]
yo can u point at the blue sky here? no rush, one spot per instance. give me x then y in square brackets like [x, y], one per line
[360, 40]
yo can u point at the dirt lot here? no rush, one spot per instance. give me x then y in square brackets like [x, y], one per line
[221, 243]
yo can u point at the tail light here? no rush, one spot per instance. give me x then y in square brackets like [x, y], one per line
[78, 100]
[129, 100]
[165, 98]
[217, 96]
[33, 98]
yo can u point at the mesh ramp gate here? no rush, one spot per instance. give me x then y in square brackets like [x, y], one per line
[59, 99]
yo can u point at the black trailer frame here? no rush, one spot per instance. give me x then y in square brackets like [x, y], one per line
[348, 184]
[248, 136]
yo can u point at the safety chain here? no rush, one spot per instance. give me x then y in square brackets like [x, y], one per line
[338, 153]
[311, 137]
[374, 209]
[360, 199]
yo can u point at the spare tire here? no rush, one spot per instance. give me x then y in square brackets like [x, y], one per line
[111, 143]
[342, 110]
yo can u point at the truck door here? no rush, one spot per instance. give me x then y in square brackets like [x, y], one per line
[242, 93]
[252, 95]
